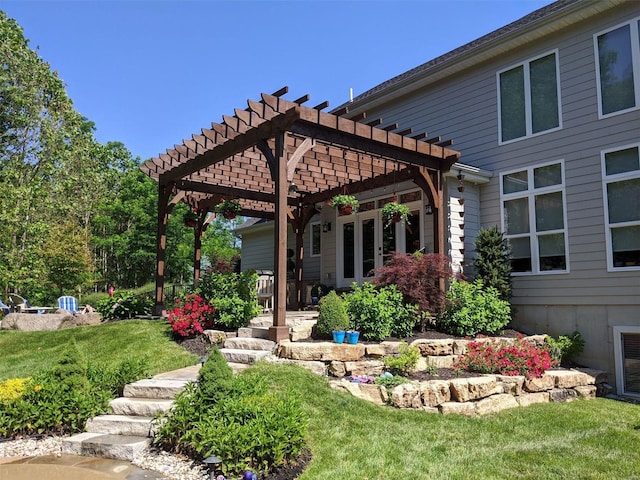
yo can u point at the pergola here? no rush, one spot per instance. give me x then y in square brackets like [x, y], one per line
[280, 159]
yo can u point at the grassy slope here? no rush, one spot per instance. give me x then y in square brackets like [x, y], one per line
[352, 439]
[24, 353]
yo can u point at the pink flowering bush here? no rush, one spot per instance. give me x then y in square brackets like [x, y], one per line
[518, 358]
[191, 316]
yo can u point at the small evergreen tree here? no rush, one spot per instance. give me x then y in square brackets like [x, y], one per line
[492, 261]
[332, 315]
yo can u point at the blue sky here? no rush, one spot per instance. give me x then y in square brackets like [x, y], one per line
[151, 73]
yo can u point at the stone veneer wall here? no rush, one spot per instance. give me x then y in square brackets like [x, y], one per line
[466, 396]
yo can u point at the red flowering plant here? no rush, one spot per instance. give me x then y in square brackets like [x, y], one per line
[191, 315]
[520, 357]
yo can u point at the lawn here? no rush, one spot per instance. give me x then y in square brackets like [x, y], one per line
[353, 439]
[24, 353]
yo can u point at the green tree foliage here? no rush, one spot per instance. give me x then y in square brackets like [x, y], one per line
[64, 195]
[492, 261]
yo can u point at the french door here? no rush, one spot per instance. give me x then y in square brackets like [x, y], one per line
[364, 243]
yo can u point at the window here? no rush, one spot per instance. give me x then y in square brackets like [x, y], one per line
[621, 184]
[529, 98]
[617, 58]
[626, 343]
[316, 231]
[534, 218]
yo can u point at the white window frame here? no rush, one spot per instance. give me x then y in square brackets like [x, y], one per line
[527, 98]
[313, 225]
[618, 331]
[635, 60]
[607, 179]
[533, 234]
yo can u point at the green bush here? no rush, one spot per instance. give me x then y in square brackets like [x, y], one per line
[565, 348]
[123, 305]
[241, 419]
[492, 262]
[233, 295]
[379, 313]
[472, 310]
[332, 315]
[390, 382]
[60, 400]
[113, 378]
[406, 360]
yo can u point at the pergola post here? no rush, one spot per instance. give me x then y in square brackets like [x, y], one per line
[197, 252]
[280, 330]
[161, 246]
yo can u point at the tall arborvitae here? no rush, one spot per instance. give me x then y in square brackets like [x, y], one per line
[492, 261]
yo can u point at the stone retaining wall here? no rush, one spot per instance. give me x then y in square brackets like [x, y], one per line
[466, 396]
[47, 321]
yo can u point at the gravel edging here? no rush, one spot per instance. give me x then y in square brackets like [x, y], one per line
[173, 467]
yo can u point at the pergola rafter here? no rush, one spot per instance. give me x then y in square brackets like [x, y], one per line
[256, 154]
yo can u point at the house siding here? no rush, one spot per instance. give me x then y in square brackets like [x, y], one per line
[464, 107]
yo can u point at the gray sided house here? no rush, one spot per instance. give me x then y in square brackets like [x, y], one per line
[546, 114]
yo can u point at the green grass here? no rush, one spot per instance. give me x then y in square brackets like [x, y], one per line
[352, 439]
[24, 353]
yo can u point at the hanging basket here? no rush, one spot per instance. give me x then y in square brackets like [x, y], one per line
[229, 215]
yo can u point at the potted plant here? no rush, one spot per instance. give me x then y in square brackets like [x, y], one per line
[346, 204]
[190, 218]
[332, 317]
[228, 208]
[352, 337]
[393, 212]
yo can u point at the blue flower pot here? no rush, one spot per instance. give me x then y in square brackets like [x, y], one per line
[352, 337]
[338, 336]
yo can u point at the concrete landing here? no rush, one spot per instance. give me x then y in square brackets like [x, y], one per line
[71, 467]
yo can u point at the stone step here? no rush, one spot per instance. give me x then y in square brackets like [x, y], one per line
[121, 447]
[143, 407]
[253, 332]
[241, 343]
[122, 425]
[154, 388]
[233, 355]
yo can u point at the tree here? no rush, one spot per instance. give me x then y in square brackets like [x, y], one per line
[492, 262]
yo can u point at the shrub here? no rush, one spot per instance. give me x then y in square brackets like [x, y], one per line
[215, 378]
[417, 277]
[113, 378]
[233, 295]
[566, 347]
[405, 361]
[124, 305]
[472, 309]
[379, 313]
[390, 382]
[244, 421]
[518, 358]
[12, 388]
[191, 316]
[58, 401]
[492, 262]
[332, 315]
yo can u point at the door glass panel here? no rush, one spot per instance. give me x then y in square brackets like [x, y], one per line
[388, 241]
[348, 250]
[368, 246]
[631, 358]
[412, 232]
